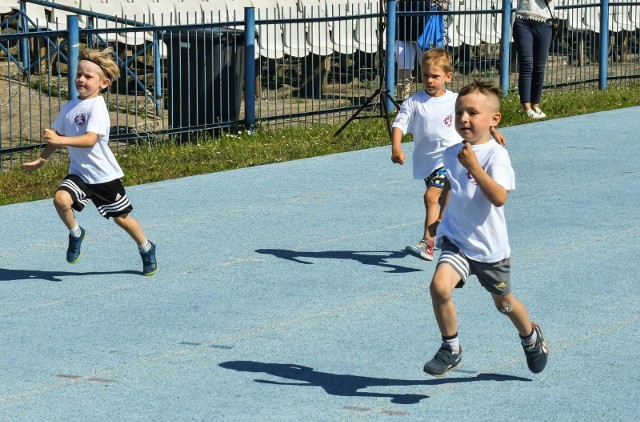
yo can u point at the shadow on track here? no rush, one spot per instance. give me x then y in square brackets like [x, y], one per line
[375, 258]
[349, 385]
[17, 275]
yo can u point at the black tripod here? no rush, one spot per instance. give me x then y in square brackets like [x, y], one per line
[381, 94]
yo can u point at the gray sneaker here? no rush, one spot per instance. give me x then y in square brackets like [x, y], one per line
[444, 361]
[424, 250]
[538, 353]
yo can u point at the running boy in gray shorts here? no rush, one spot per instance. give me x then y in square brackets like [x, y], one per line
[473, 232]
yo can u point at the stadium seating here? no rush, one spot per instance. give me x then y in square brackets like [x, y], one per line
[318, 37]
[58, 17]
[114, 8]
[489, 25]
[341, 30]
[161, 12]
[212, 11]
[188, 11]
[294, 33]
[466, 26]
[366, 35]
[270, 38]
[7, 6]
[621, 18]
[297, 37]
[634, 16]
[235, 9]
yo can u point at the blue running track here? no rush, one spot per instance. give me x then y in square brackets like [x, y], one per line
[284, 294]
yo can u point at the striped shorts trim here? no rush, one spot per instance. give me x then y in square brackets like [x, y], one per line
[495, 277]
[458, 261]
[80, 199]
[109, 198]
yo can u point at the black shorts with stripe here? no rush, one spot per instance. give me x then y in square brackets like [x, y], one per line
[109, 198]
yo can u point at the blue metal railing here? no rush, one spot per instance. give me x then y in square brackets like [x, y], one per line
[278, 88]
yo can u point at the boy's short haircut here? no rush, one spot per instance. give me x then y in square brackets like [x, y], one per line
[104, 59]
[486, 88]
[437, 57]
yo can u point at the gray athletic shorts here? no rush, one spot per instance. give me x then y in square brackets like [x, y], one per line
[495, 277]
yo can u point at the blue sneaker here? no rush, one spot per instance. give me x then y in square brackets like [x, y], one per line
[149, 263]
[538, 353]
[73, 251]
[444, 361]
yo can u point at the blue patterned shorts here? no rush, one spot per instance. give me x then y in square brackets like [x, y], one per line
[436, 178]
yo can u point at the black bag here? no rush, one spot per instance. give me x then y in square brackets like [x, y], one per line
[555, 27]
[554, 22]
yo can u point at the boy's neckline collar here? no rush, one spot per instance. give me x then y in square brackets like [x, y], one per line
[444, 92]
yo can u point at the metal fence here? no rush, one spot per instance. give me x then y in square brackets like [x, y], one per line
[192, 68]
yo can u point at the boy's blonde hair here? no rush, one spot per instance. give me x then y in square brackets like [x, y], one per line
[486, 88]
[104, 59]
[437, 57]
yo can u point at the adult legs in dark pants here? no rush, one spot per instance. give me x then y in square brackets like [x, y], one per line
[532, 41]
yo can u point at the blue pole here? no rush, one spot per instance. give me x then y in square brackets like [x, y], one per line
[505, 47]
[250, 69]
[604, 42]
[74, 51]
[391, 48]
[157, 80]
[24, 44]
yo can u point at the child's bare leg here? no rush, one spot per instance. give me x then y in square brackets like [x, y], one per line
[449, 354]
[432, 208]
[132, 227]
[535, 347]
[515, 311]
[442, 285]
[63, 202]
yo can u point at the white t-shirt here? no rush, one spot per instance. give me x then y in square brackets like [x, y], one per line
[95, 164]
[431, 120]
[470, 221]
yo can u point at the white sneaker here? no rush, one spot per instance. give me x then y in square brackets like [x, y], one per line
[533, 114]
[423, 250]
[540, 112]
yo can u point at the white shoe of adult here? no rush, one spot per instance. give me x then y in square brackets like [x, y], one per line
[533, 114]
[540, 112]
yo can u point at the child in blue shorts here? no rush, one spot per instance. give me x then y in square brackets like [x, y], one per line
[428, 115]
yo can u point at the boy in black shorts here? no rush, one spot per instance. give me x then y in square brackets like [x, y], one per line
[83, 126]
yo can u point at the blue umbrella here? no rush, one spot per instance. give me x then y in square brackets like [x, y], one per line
[433, 34]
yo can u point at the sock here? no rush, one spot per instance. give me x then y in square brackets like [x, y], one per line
[530, 340]
[453, 342]
[145, 247]
[75, 232]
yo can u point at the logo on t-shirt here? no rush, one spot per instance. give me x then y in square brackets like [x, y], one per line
[448, 121]
[470, 178]
[80, 119]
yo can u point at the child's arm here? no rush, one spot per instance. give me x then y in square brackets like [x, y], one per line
[498, 136]
[40, 161]
[52, 137]
[397, 155]
[494, 192]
